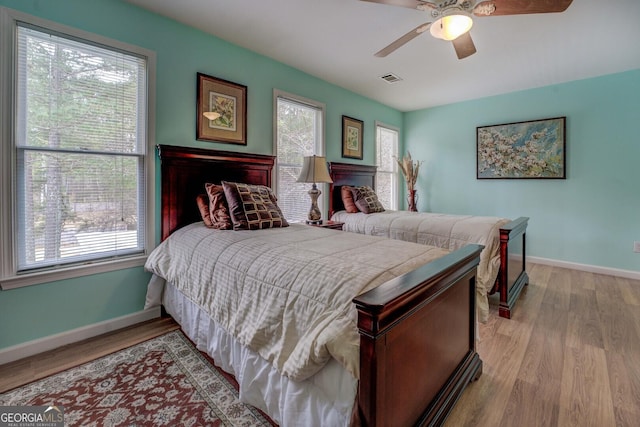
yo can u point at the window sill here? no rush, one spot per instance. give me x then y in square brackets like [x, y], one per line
[38, 278]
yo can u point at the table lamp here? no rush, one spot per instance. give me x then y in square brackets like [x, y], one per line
[314, 169]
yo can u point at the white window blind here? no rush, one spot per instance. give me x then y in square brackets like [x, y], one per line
[387, 172]
[298, 134]
[80, 151]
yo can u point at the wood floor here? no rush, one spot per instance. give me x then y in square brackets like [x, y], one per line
[570, 356]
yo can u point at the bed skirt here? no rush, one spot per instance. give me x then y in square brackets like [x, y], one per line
[326, 398]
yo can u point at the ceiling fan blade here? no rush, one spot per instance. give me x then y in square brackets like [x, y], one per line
[519, 7]
[464, 46]
[411, 4]
[403, 40]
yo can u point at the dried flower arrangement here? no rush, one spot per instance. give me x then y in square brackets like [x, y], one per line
[409, 168]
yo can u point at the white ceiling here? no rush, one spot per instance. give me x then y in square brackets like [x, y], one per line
[335, 40]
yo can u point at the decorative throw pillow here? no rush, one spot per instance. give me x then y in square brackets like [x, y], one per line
[366, 200]
[347, 199]
[218, 209]
[253, 207]
[203, 206]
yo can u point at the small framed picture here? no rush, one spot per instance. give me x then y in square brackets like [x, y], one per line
[221, 111]
[351, 138]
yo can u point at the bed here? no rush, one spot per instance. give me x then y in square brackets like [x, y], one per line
[415, 333]
[502, 266]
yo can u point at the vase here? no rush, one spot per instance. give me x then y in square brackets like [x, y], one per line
[412, 198]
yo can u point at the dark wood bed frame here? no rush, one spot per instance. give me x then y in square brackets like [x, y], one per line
[512, 276]
[417, 332]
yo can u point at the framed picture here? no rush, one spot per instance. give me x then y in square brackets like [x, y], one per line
[524, 150]
[221, 111]
[351, 138]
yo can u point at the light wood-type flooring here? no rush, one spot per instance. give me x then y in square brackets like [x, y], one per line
[569, 356]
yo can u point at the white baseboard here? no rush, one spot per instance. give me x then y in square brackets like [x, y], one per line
[51, 342]
[627, 274]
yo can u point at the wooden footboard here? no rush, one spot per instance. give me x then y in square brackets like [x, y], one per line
[512, 276]
[417, 342]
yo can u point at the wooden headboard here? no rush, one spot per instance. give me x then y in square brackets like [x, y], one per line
[348, 174]
[186, 170]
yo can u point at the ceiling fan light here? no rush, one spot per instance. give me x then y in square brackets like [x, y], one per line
[451, 27]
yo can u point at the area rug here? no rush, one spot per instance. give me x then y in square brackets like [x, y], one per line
[163, 381]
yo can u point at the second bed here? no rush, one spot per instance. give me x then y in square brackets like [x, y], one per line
[502, 266]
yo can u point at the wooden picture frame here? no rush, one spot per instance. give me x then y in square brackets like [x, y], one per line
[533, 149]
[352, 138]
[229, 100]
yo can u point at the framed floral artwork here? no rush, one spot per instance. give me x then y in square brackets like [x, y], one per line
[532, 149]
[352, 138]
[221, 111]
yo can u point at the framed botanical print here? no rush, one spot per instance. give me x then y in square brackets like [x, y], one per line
[352, 138]
[221, 111]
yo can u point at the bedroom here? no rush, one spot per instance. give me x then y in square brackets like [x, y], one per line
[572, 220]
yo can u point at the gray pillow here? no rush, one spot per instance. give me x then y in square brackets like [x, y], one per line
[366, 199]
[252, 207]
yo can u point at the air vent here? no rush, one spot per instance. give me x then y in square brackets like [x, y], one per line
[390, 78]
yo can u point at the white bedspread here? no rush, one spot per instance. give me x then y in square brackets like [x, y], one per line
[445, 231]
[285, 293]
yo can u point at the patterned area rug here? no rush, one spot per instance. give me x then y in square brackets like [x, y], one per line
[163, 381]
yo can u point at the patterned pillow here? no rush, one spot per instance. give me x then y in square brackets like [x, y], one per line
[347, 199]
[253, 207]
[218, 209]
[366, 200]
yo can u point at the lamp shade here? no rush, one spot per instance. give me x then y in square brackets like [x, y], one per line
[314, 169]
[451, 27]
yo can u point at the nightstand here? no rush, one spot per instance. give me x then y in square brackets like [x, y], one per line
[330, 224]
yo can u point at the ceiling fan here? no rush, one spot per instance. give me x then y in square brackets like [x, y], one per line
[452, 19]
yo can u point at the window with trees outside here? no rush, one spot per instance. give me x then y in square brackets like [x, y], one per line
[79, 163]
[387, 172]
[299, 133]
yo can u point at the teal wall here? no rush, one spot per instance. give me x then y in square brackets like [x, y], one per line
[36, 311]
[592, 217]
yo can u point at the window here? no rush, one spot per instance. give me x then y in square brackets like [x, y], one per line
[299, 125]
[78, 154]
[387, 173]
